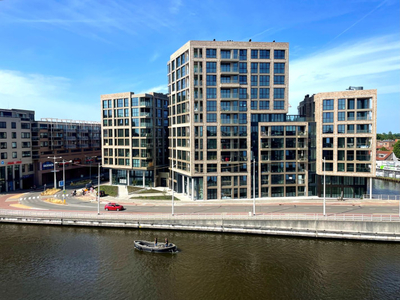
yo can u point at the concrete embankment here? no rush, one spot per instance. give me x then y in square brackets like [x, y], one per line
[358, 230]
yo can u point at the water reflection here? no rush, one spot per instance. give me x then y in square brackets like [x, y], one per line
[51, 262]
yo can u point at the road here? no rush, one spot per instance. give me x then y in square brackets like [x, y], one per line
[164, 207]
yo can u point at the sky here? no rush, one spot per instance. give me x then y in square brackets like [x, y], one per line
[57, 56]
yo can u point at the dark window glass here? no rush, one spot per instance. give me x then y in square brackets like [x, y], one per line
[279, 68]
[254, 54]
[279, 79]
[264, 54]
[254, 67]
[264, 68]
[211, 53]
[327, 105]
[279, 93]
[279, 54]
[279, 105]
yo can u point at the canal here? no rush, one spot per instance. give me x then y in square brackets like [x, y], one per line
[44, 262]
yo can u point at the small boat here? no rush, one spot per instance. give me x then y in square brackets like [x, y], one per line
[151, 247]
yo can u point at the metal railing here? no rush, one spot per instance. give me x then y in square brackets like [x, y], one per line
[382, 197]
[214, 216]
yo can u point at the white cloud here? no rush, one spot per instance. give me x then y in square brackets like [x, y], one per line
[175, 6]
[373, 63]
[49, 96]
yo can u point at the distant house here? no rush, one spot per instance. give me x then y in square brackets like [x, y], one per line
[385, 155]
[388, 144]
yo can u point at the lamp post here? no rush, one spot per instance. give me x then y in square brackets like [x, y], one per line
[64, 161]
[98, 192]
[54, 169]
[254, 186]
[172, 189]
[324, 185]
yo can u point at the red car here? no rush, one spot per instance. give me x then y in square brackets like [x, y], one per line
[113, 206]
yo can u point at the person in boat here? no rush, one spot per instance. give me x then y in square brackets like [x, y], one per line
[155, 242]
[166, 242]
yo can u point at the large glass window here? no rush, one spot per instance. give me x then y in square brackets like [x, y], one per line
[211, 53]
[211, 130]
[264, 104]
[211, 117]
[254, 67]
[279, 79]
[327, 104]
[341, 129]
[341, 116]
[264, 68]
[254, 54]
[327, 129]
[341, 104]
[211, 93]
[242, 54]
[243, 79]
[278, 105]
[211, 67]
[327, 117]
[264, 80]
[242, 67]
[243, 93]
[211, 105]
[279, 68]
[279, 93]
[264, 54]
[254, 80]
[264, 93]
[226, 54]
[279, 54]
[212, 80]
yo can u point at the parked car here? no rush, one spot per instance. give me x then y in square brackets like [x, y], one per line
[113, 206]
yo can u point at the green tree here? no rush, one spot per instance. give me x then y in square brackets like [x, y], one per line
[390, 136]
[383, 149]
[396, 149]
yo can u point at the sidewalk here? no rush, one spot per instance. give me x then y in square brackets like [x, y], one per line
[185, 200]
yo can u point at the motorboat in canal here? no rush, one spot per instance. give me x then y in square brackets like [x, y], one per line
[146, 246]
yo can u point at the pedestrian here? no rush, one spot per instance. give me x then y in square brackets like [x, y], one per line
[166, 242]
[155, 242]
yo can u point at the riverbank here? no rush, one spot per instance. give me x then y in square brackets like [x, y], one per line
[376, 228]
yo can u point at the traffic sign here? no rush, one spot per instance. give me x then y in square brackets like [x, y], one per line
[61, 183]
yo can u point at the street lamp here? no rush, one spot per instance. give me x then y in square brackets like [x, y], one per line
[324, 185]
[172, 168]
[63, 162]
[54, 166]
[98, 192]
[90, 165]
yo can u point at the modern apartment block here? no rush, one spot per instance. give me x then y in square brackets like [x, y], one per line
[221, 94]
[345, 125]
[16, 166]
[135, 138]
[69, 140]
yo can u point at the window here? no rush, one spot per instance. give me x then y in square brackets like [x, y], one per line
[25, 135]
[242, 119]
[279, 54]
[279, 68]
[243, 93]
[264, 93]
[211, 105]
[264, 104]
[264, 68]
[254, 93]
[341, 129]
[211, 130]
[14, 155]
[3, 125]
[211, 117]
[279, 79]
[254, 105]
[254, 67]
[254, 54]
[3, 145]
[211, 144]
[14, 145]
[341, 116]
[341, 104]
[26, 153]
[3, 135]
[13, 125]
[243, 79]
[3, 155]
[242, 67]
[279, 93]
[279, 105]
[327, 105]
[212, 80]
[242, 54]
[226, 54]
[135, 101]
[211, 53]
[254, 80]
[264, 54]
[327, 129]
[264, 80]
[350, 103]
[327, 117]
[120, 102]
[242, 106]
[211, 93]
[211, 67]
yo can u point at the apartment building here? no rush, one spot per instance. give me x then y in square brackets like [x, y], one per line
[55, 140]
[135, 138]
[16, 166]
[345, 134]
[220, 94]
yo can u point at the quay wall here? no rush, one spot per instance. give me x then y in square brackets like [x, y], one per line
[358, 230]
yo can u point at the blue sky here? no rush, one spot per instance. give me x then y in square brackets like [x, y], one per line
[58, 57]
